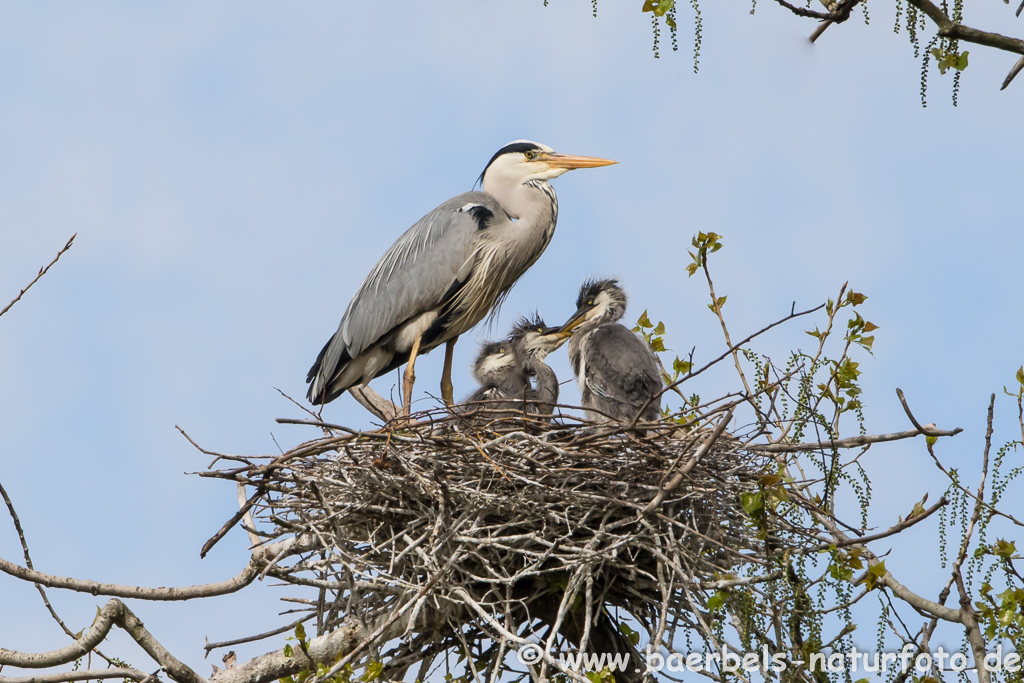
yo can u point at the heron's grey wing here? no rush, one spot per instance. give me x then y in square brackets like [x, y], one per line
[413, 275]
[620, 366]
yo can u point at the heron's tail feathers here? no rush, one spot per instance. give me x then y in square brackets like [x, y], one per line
[328, 383]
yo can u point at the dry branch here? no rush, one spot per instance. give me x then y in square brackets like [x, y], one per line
[41, 273]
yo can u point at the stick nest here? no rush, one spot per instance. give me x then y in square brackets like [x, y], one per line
[448, 534]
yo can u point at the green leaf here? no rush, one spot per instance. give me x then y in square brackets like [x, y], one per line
[717, 600]
[855, 298]
[931, 440]
[300, 632]
[682, 366]
[643, 320]
[721, 301]
[752, 503]
[660, 329]
[288, 652]
[1020, 375]
[663, 6]
[631, 635]
[657, 344]
[961, 61]
[1004, 549]
[878, 569]
[691, 269]
[373, 671]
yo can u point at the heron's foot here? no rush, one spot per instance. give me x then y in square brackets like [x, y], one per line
[447, 391]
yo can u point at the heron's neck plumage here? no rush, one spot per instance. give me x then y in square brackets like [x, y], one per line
[517, 245]
[506, 250]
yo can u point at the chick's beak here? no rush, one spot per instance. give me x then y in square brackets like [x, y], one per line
[571, 161]
[557, 333]
[577, 319]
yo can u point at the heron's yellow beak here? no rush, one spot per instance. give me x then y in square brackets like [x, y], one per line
[559, 333]
[571, 161]
[577, 319]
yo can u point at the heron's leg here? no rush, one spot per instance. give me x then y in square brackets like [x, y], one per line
[409, 377]
[446, 374]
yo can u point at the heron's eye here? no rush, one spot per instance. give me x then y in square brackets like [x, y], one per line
[590, 302]
[529, 155]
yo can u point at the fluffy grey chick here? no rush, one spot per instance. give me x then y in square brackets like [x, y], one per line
[532, 341]
[497, 371]
[617, 372]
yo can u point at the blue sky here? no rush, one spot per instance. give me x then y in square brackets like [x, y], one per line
[233, 171]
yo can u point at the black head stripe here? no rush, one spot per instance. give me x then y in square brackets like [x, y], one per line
[521, 147]
[524, 325]
[591, 288]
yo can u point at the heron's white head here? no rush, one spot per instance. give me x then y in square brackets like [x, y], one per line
[521, 161]
[599, 301]
[494, 359]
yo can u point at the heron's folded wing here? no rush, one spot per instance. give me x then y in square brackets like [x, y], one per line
[621, 366]
[413, 275]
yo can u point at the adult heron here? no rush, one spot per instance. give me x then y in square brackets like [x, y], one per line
[446, 273]
[616, 370]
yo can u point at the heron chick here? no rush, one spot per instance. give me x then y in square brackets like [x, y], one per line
[496, 370]
[446, 273]
[513, 370]
[617, 372]
[532, 341]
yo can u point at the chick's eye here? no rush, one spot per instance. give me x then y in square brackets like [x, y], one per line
[501, 350]
[590, 302]
[540, 329]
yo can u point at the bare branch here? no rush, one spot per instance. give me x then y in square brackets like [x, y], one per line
[374, 402]
[1014, 71]
[113, 613]
[261, 557]
[251, 639]
[891, 531]
[970, 622]
[80, 675]
[803, 11]
[42, 272]
[228, 525]
[851, 442]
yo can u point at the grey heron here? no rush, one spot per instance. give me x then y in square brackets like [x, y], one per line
[617, 372]
[446, 273]
[513, 370]
[532, 341]
[496, 370]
